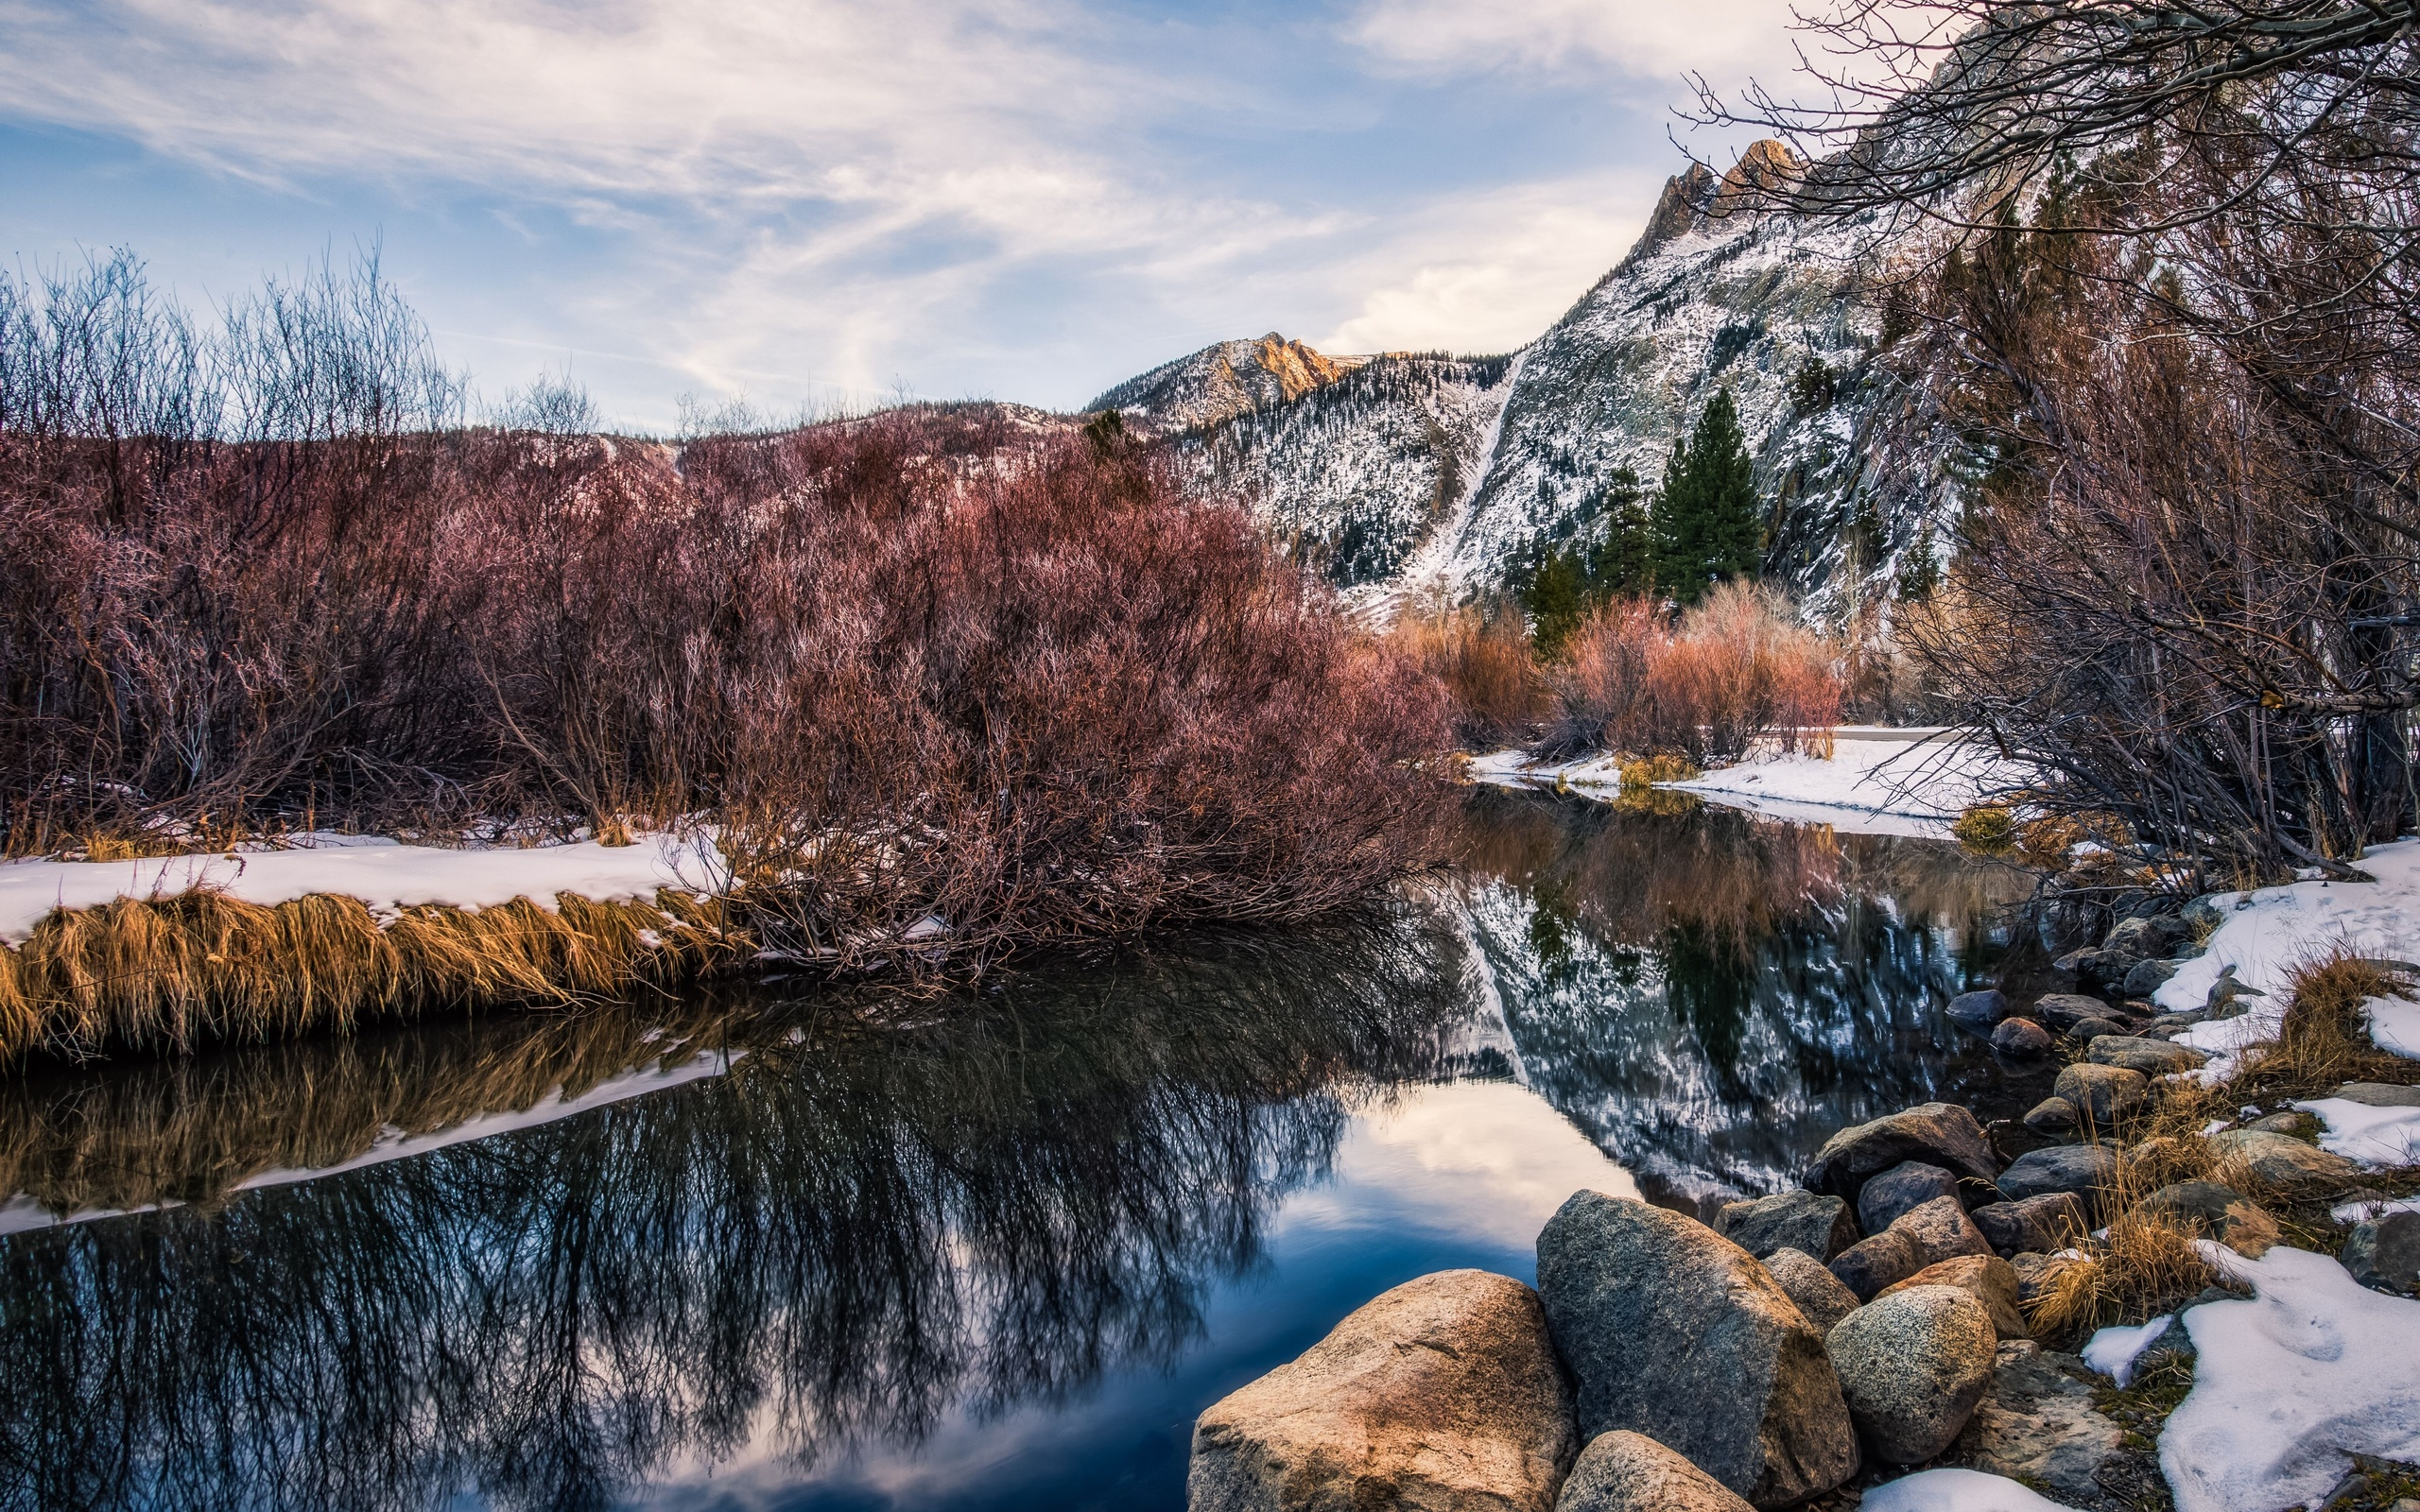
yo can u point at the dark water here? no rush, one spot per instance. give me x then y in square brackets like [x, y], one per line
[992, 1251]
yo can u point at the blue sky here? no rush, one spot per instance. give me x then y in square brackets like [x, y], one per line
[810, 204]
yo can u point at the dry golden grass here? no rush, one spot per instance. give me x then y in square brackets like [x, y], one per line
[1985, 829]
[2143, 1266]
[1646, 771]
[2323, 1039]
[175, 972]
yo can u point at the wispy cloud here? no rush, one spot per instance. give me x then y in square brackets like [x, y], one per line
[1723, 39]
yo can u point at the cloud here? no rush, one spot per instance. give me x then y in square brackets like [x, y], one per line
[1640, 38]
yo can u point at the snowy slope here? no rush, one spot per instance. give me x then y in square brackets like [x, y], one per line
[1222, 382]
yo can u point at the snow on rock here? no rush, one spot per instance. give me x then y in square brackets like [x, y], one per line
[381, 873]
[2394, 1025]
[1957, 1491]
[2373, 1136]
[2289, 1386]
[2114, 1350]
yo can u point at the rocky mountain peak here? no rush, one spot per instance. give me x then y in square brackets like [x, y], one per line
[1222, 382]
[1696, 200]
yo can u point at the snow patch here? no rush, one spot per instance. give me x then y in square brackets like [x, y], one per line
[2114, 1350]
[2394, 1025]
[1957, 1491]
[2266, 934]
[2373, 1136]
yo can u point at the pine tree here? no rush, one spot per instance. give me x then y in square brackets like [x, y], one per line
[1707, 521]
[1623, 559]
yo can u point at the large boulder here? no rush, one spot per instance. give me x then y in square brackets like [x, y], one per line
[1442, 1393]
[2153, 1057]
[2049, 1221]
[1807, 1221]
[1811, 1284]
[2152, 935]
[2379, 1095]
[1909, 1184]
[2064, 1010]
[1672, 1330]
[2148, 977]
[2037, 1424]
[2384, 1253]
[2081, 1169]
[1912, 1366]
[2280, 1159]
[1622, 1471]
[2221, 1211]
[1872, 1263]
[1940, 1134]
[1988, 1280]
[1979, 1011]
[2107, 1093]
[1942, 1231]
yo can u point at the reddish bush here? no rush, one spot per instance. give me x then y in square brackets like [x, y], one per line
[1485, 665]
[1737, 667]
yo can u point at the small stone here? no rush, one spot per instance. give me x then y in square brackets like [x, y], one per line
[1940, 1134]
[1912, 1366]
[2384, 1253]
[1907, 1185]
[2379, 1095]
[1942, 1231]
[2037, 1424]
[2282, 1123]
[2280, 1158]
[2078, 1168]
[1988, 1279]
[2148, 977]
[1811, 1284]
[2053, 1117]
[2106, 1093]
[2091, 1029]
[2064, 1010]
[2022, 1038]
[2049, 1221]
[1977, 1010]
[1624, 1471]
[1870, 1265]
[2153, 1057]
[2219, 1212]
[2148, 936]
[1807, 1221]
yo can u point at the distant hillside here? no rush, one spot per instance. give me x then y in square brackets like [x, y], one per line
[1222, 381]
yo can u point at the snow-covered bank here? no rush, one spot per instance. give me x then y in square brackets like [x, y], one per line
[1877, 780]
[383, 874]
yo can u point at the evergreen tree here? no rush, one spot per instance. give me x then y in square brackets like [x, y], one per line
[1564, 585]
[1623, 559]
[1707, 521]
[1556, 599]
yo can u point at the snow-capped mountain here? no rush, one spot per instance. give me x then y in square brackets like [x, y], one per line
[1438, 472]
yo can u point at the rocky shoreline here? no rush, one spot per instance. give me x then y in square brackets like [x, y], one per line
[1944, 1314]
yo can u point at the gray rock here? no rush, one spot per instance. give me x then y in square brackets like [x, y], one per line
[1909, 1184]
[2045, 1224]
[2168, 1023]
[2053, 1117]
[1870, 1265]
[1442, 1393]
[1622, 1471]
[2091, 1029]
[2379, 1095]
[1912, 1366]
[2384, 1253]
[2280, 1158]
[2153, 1057]
[2107, 1093]
[1940, 1134]
[2022, 1038]
[2034, 1274]
[1811, 1284]
[1674, 1331]
[2081, 1169]
[2152, 936]
[1978, 1010]
[1807, 1221]
[2296, 1123]
[1942, 1231]
[2219, 1212]
[1987, 1279]
[2098, 969]
[2037, 1424]
[2206, 913]
[2064, 1010]
[2148, 977]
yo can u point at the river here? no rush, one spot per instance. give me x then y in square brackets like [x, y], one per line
[806, 1248]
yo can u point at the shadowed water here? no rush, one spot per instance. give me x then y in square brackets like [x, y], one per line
[988, 1250]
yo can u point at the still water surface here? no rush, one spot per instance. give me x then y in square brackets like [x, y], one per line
[862, 1251]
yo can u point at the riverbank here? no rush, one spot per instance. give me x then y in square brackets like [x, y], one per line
[2183, 1279]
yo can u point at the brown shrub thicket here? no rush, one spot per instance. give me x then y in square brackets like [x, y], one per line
[1736, 668]
[1485, 663]
[927, 666]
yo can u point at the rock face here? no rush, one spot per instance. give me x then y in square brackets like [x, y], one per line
[2035, 1424]
[1676, 1333]
[1912, 1366]
[1987, 1279]
[2384, 1253]
[2223, 1212]
[2280, 1158]
[2153, 1057]
[1909, 1184]
[1442, 1393]
[2021, 1037]
[1622, 1471]
[1807, 1221]
[1942, 1231]
[2077, 1168]
[1977, 1010]
[1811, 1284]
[1870, 1265]
[2044, 1224]
[2107, 1093]
[1938, 1134]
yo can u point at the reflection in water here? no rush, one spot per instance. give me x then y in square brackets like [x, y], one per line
[994, 1253]
[830, 1244]
[1710, 994]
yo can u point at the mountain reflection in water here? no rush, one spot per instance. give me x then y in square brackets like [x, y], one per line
[985, 1251]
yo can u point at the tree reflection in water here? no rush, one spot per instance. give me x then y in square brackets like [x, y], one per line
[830, 1246]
